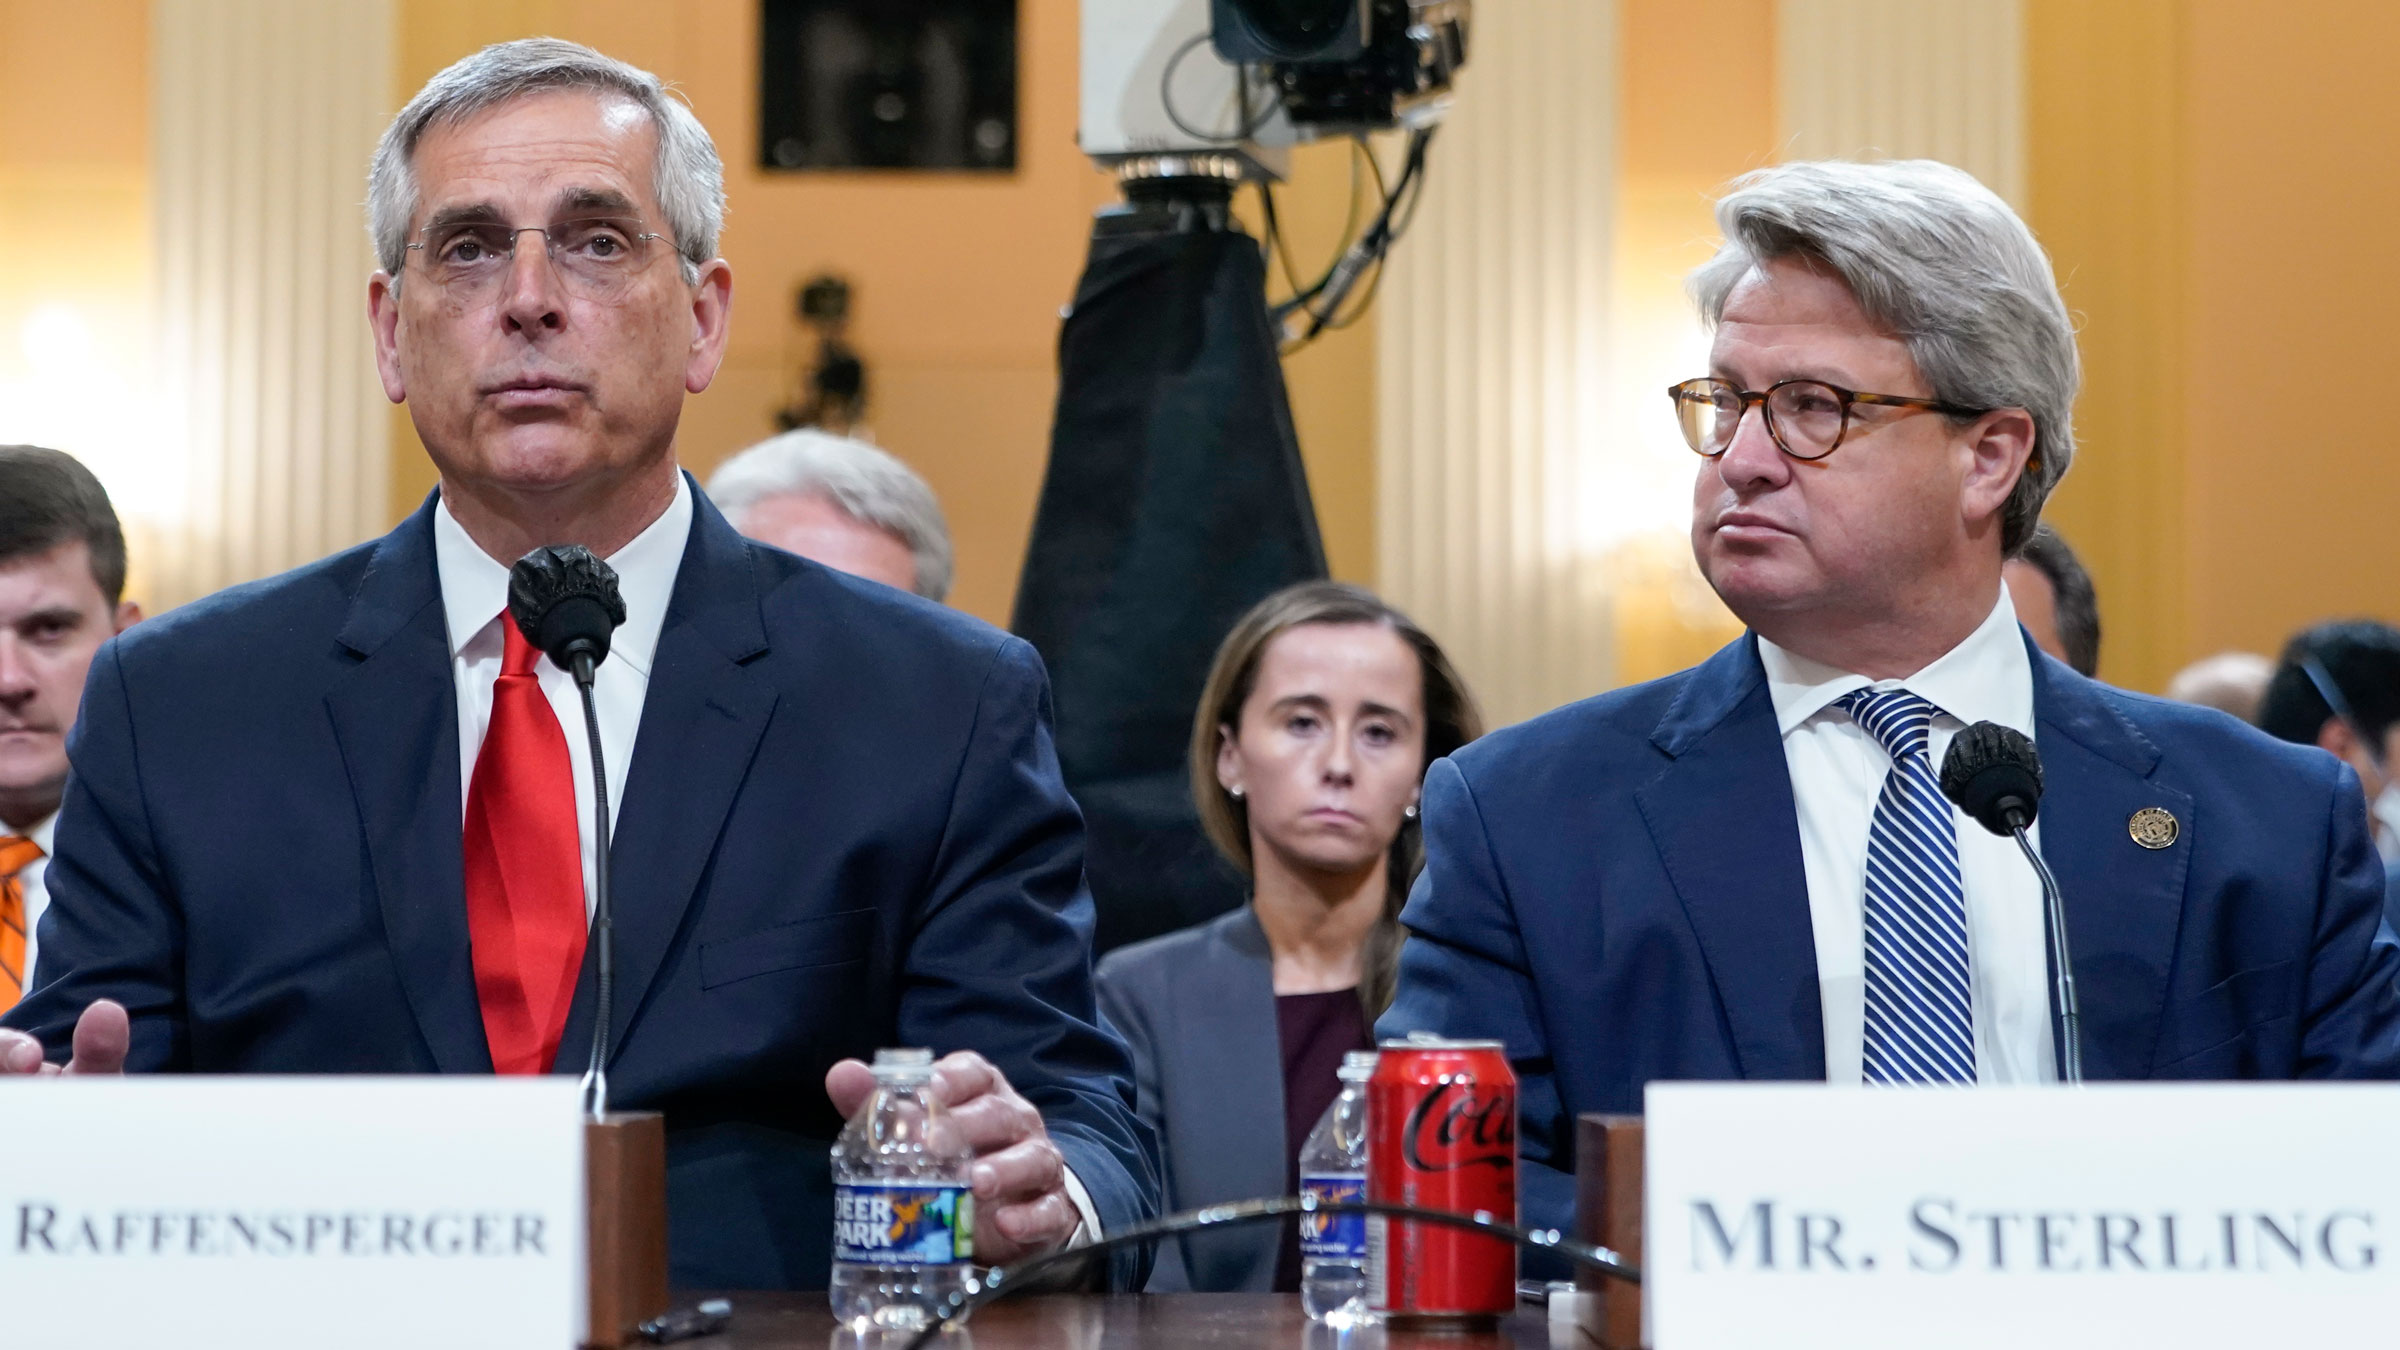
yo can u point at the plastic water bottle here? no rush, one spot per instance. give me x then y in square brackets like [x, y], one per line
[903, 1213]
[1333, 1166]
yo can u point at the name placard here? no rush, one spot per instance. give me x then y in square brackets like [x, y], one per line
[291, 1212]
[2186, 1215]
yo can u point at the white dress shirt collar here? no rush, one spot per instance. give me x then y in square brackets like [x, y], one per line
[475, 586]
[1986, 678]
[41, 834]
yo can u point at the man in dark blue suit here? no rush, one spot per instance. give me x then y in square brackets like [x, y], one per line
[841, 827]
[1746, 871]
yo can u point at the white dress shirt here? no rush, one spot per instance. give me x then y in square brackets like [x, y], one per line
[37, 896]
[475, 590]
[1837, 773]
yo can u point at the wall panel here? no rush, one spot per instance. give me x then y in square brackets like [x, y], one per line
[1491, 348]
[1906, 79]
[263, 115]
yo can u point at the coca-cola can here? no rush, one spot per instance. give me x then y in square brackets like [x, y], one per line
[1441, 1134]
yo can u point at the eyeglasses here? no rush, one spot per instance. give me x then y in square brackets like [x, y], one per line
[1806, 418]
[596, 257]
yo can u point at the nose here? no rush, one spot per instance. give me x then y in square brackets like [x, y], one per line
[1752, 462]
[533, 299]
[16, 672]
[1341, 765]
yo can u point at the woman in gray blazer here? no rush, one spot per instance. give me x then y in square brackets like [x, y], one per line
[1320, 714]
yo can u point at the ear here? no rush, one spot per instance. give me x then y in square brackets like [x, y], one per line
[383, 315]
[128, 614]
[1999, 446]
[1229, 760]
[712, 320]
[2335, 737]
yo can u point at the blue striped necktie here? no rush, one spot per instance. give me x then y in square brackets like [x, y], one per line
[1920, 1023]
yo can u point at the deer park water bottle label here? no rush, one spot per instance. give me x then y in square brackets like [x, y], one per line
[1336, 1237]
[902, 1223]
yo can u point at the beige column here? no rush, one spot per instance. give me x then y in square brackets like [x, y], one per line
[1491, 358]
[263, 114]
[1906, 79]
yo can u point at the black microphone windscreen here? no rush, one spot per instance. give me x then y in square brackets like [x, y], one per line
[1994, 774]
[565, 601]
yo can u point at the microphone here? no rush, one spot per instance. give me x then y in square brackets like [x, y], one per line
[1994, 775]
[565, 602]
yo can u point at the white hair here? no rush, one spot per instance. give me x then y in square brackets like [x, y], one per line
[686, 176]
[870, 486]
[1937, 258]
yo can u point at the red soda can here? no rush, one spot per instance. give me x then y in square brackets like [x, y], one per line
[1441, 1134]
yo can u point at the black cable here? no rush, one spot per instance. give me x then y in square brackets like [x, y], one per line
[1002, 1281]
[1371, 248]
[1247, 123]
[1350, 232]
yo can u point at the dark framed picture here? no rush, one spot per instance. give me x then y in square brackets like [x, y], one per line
[888, 84]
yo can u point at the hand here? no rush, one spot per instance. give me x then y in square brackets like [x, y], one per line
[1019, 1177]
[103, 1035]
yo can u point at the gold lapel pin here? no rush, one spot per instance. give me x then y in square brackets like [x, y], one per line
[2153, 827]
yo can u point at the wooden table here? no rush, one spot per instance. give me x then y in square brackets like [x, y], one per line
[1110, 1322]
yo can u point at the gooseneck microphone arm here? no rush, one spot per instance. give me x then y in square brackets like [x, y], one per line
[1002, 1281]
[565, 601]
[1993, 774]
[595, 1073]
[2065, 971]
[2070, 1016]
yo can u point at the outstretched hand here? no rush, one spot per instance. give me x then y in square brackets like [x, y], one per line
[1019, 1176]
[103, 1037]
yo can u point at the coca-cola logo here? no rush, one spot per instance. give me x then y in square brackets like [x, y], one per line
[1464, 1130]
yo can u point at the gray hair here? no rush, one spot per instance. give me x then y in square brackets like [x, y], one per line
[686, 177]
[1940, 260]
[870, 486]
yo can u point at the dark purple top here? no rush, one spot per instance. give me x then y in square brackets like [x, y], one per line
[1316, 1030]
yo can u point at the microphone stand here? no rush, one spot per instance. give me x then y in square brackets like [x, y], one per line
[2070, 1016]
[595, 1075]
[1002, 1281]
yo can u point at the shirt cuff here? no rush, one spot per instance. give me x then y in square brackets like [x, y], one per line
[1087, 1232]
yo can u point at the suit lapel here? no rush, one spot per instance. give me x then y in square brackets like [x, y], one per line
[2123, 902]
[1722, 818]
[702, 718]
[396, 718]
[1226, 1029]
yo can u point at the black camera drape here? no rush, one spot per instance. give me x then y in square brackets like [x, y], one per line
[1174, 500]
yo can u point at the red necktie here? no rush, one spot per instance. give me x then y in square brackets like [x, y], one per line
[524, 863]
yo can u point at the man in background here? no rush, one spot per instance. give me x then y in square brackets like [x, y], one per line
[2338, 688]
[62, 585]
[2230, 682]
[2055, 601]
[842, 502]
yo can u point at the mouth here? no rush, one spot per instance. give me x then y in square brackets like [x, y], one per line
[1746, 525]
[1333, 815]
[535, 391]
